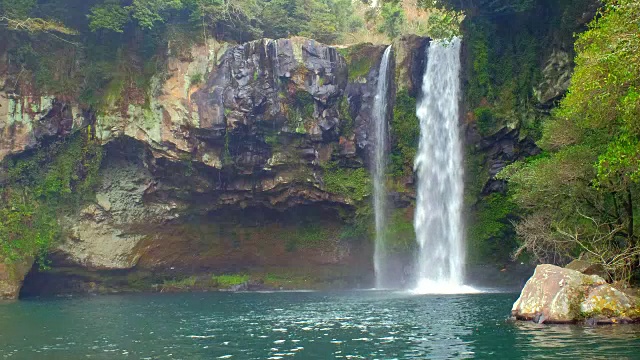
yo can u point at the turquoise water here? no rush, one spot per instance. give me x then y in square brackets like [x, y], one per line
[348, 325]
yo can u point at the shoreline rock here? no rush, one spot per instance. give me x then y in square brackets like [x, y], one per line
[555, 295]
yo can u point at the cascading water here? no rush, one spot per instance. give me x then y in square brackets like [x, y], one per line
[379, 168]
[438, 164]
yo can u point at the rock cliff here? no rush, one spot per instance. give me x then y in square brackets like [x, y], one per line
[241, 157]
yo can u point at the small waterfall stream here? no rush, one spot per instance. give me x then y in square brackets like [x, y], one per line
[438, 164]
[379, 169]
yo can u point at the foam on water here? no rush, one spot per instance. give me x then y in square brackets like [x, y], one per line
[430, 287]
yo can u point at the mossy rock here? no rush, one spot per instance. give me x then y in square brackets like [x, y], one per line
[559, 295]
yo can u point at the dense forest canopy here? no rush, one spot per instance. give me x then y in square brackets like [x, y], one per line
[329, 21]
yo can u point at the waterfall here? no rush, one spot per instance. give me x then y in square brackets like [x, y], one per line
[438, 165]
[379, 170]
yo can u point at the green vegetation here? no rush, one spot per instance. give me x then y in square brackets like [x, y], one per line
[359, 61]
[229, 280]
[306, 236]
[300, 110]
[346, 120]
[104, 52]
[179, 284]
[361, 226]
[351, 183]
[405, 129]
[193, 282]
[38, 187]
[581, 197]
[393, 17]
[400, 234]
[288, 279]
[505, 68]
[305, 104]
[325, 20]
[490, 234]
[426, 18]
[485, 120]
[196, 79]
[507, 44]
[15, 15]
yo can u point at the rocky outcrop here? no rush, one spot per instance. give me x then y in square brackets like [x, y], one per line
[556, 78]
[246, 130]
[104, 234]
[559, 295]
[27, 120]
[497, 151]
[411, 57]
[11, 276]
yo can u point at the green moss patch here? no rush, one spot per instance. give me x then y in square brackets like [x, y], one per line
[349, 182]
[39, 186]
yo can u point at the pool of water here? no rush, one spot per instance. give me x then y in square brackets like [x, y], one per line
[301, 325]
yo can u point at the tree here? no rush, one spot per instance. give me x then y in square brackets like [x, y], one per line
[111, 15]
[393, 17]
[234, 16]
[16, 15]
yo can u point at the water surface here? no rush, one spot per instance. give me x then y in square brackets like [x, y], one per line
[348, 325]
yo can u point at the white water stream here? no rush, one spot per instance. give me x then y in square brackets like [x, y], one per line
[380, 154]
[438, 164]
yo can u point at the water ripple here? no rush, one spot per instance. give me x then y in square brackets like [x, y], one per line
[354, 325]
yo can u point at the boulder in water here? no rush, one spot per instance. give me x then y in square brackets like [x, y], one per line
[560, 295]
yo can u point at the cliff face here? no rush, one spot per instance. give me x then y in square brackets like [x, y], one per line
[253, 158]
[242, 157]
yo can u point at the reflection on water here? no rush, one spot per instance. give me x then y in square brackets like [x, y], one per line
[354, 325]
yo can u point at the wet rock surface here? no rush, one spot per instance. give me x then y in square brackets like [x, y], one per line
[559, 295]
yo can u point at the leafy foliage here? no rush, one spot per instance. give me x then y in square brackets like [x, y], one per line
[425, 18]
[324, 20]
[350, 183]
[393, 17]
[17, 15]
[229, 280]
[109, 16]
[490, 234]
[405, 130]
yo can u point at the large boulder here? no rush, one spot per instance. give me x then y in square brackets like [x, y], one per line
[559, 295]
